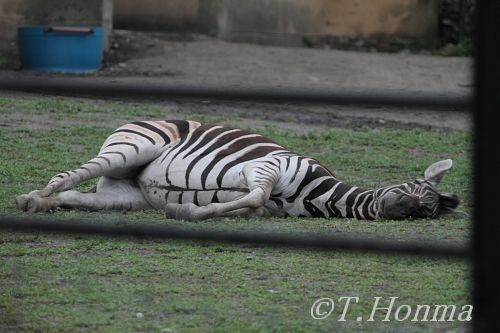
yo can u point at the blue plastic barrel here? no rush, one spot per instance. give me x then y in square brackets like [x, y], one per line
[61, 49]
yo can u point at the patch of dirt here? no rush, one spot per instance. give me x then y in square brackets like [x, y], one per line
[305, 118]
[202, 59]
[208, 61]
[139, 57]
[301, 119]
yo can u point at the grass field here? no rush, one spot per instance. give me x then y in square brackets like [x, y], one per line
[54, 283]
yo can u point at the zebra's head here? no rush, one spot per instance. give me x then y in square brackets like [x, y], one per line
[419, 198]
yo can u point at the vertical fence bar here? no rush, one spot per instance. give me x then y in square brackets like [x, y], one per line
[486, 276]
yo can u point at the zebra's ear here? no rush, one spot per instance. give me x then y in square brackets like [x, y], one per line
[436, 171]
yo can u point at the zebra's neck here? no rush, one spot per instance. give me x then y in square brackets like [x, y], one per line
[352, 202]
[333, 198]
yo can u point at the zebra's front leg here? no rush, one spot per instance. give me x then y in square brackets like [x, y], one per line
[253, 201]
[260, 179]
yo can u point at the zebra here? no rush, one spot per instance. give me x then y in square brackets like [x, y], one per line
[195, 171]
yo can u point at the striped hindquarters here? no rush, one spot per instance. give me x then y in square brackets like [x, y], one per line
[156, 133]
[125, 151]
[136, 144]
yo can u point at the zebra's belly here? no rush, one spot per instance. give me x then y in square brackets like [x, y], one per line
[179, 186]
[159, 197]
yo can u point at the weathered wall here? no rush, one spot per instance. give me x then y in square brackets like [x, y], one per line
[42, 12]
[283, 21]
[266, 20]
[382, 17]
[10, 18]
[157, 14]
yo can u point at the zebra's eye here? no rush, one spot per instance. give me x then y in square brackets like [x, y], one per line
[399, 205]
[429, 200]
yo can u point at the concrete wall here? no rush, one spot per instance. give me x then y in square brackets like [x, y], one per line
[158, 14]
[381, 17]
[283, 21]
[10, 18]
[15, 13]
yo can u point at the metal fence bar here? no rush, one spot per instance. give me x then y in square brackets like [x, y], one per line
[151, 90]
[486, 276]
[295, 240]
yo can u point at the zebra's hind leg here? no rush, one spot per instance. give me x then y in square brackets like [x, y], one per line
[260, 179]
[121, 157]
[111, 194]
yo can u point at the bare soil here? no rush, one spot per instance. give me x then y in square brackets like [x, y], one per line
[138, 57]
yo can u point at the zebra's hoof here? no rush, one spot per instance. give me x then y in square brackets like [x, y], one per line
[37, 204]
[22, 202]
[187, 211]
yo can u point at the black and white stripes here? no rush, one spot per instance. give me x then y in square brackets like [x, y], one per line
[188, 163]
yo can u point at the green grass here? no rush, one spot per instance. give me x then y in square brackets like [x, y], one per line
[465, 48]
[55, 283]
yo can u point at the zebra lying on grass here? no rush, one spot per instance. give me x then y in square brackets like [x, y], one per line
[197, 171]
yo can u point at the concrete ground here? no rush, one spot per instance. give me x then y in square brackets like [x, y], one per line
[165, 58]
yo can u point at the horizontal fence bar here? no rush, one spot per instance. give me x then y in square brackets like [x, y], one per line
[151, 90]
[294, 240]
